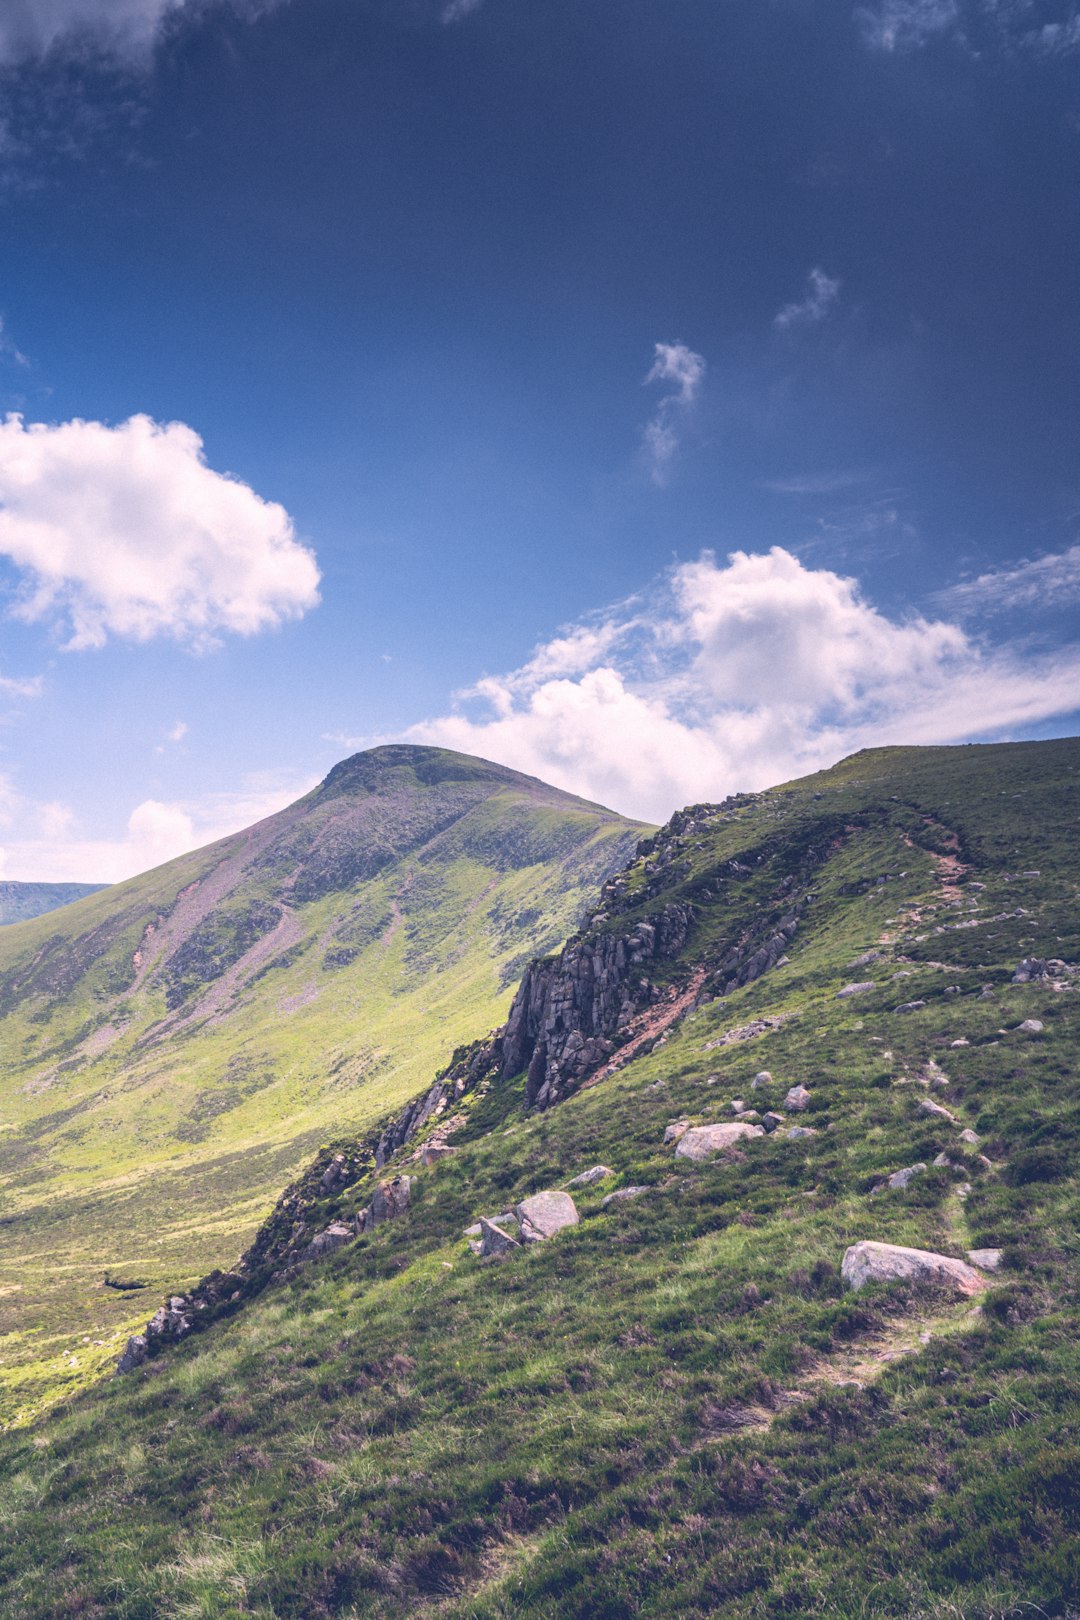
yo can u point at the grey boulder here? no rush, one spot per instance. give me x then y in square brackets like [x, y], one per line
[900, 1178]
[985, 1259]
[493, 1240]
[703, 1141]
[587, 1177]
[544, 1214]
[869, 1262]
[797, 1099]
[856, 989]
[621, 1194]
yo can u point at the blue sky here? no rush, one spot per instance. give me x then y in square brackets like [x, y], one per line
[662, 398]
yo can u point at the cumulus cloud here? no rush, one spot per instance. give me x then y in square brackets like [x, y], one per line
[678, 366]
[45, 843]
[822, 294]
[126, 531]
[742, 673]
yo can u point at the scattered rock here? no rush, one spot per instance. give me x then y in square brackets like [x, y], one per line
[772, 1121]
[621, 1194]
[868, 1262]
[587, 1177]
[703, 1141]
[963, 1041]
[986, 1259]
[391, 1200]
[909, 1006]
[856, 989]
[432, 1152]
[335, 1236]
[494, 1241]
[764, 1078]
[135, 1353]
[928, 1107]
[900, 1178]
[738, 1106]
[1031, 1026]
[544, 1214]
[676, 1130]
[797, 1100]
[799, 1130]
[1032, 967]
[943, 1162]
[971, 1137]
[865, 959]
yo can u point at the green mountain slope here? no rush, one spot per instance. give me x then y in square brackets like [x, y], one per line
[171, 1048]
[677, 1406]
[18, 901]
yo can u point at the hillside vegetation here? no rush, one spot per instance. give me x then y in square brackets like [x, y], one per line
[174, 1047]
[676, 1406]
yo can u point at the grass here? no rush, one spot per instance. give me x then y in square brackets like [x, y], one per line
[404, 1429]
[147, 1120]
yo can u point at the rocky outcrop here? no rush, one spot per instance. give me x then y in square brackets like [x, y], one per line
[571, 1009]
[465, 1071]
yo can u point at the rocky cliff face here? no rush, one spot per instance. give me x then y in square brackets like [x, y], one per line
[571, 1009]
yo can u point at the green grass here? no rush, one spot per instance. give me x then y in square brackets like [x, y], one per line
[404, 1429]
[153, 1155]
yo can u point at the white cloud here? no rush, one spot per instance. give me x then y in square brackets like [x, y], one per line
[675, 364]
[28, 686]
[741, 674]
[816, 483]
[458, 10]
[822, 295]
[1047, 582]
[126, 531]
[48, 847]
[178, 732]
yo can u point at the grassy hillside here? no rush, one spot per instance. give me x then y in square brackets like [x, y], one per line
[18, 901]
[676, 1407]
[173, 1047]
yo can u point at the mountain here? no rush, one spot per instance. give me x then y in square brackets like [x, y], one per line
[173, 1047]
[686, 1403]
[18, 901]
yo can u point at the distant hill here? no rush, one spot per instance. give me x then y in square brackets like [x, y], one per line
[20, 901]
[173, 1047]
[800, 1025]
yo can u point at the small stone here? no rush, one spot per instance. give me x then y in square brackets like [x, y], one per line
[772, 1121]
[868, 1262]
[909, 1006]
[494, 1241]
[587, 1177]
[622, 1193]
[434, 1151]
[901, 1178]
[676, 1130]
[1032, 1026]
[759, 1080]
[797, 1099]
[544, 1214]
[856, 989]
[963, 1041]
[738, 1106]
[986, 1259]
[972, 1138]
[942, 1162]
[703, 1141]
[799, 1130]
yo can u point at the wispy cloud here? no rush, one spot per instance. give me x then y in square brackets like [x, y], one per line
[1041, 582]
[679, 366]
[458, 10]
[740, 673]
[822, 293]
[901, 25]
[126, 531]
[828, 483]
[121, 27]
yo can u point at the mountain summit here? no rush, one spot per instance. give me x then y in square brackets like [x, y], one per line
[174, 1045]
